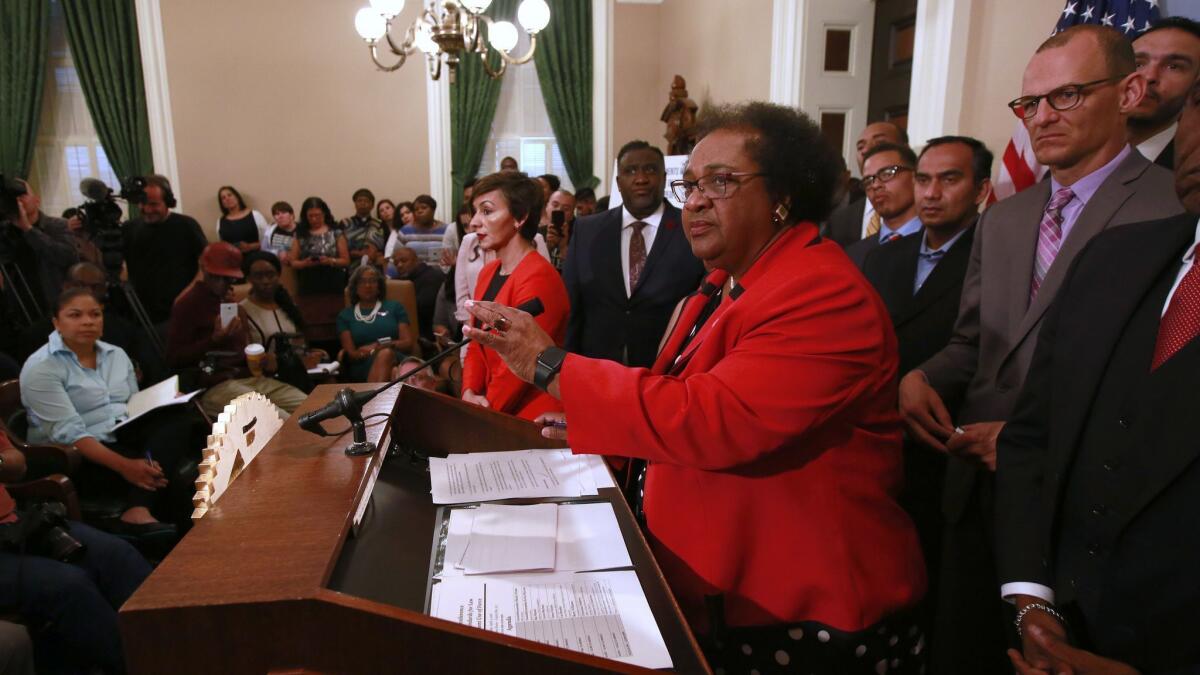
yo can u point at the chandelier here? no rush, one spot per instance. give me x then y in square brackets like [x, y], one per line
[453, 29]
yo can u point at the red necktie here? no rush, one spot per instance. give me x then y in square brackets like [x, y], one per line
[1181, 323]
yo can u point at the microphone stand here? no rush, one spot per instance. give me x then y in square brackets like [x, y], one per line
[349, 404]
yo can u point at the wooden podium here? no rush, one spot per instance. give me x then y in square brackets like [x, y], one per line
[272, 580]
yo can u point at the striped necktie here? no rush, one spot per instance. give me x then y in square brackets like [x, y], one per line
[1049, 238]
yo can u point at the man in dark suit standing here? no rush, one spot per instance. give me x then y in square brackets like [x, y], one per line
[888, 181]
[629, 266]
[1098, 487]
[1022, 248]
[851, 222]
[1168, 55]
[920, 279]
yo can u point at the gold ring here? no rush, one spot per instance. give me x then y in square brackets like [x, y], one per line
[502, 324]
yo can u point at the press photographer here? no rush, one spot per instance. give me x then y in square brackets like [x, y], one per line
[35, 252]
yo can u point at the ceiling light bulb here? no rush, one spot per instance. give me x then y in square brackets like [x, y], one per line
[503, 35]
[370, 24]
[534, 15]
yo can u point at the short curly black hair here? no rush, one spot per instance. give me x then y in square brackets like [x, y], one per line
[357, 275]
[798, 164]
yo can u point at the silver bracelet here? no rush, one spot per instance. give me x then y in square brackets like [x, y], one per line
[1036, 605]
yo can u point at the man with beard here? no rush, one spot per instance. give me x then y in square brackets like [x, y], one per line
[888, 181]
[1168, 55]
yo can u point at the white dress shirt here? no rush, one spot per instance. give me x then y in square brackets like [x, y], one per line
[652, 222]
[1044, 592]
[1152, 147]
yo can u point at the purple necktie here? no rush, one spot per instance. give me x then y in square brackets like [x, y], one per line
[1049, 238]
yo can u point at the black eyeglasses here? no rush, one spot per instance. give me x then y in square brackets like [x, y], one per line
[1064, 98]
[884, 175]
[713, 186]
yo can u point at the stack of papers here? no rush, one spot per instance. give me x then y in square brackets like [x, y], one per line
[162, 394]
[488, 476]
[586, 538]
[600, 613]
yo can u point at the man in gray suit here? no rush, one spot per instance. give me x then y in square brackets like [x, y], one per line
[1077, 93]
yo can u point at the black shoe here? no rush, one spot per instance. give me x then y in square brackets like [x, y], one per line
[154, 530]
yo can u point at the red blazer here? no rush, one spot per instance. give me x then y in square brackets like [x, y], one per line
[484, 371]
[773, 446]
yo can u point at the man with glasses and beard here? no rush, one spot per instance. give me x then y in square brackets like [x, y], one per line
[888, 182]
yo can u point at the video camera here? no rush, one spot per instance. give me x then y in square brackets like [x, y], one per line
[102, 216]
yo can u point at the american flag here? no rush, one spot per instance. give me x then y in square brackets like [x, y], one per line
[1018, 168]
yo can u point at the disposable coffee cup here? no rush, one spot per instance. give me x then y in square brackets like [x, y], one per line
[255, 354]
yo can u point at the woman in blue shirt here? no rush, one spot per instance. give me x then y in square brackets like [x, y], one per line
[370, 318]
[76, 389]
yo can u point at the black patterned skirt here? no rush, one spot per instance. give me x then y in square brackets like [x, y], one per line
[895, 645]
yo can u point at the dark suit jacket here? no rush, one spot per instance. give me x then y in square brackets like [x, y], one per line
[606, 324]
[987, 358]
[1166, 158]
[1143, 594]
[845, 223]
[924, 322]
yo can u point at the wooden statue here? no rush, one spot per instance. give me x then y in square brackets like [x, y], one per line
[240, 432]
[680, 116]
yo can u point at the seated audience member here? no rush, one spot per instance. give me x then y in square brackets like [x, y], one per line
[769, 419]
[76, 389]
[320, 256]
[70, 608]
[423, 380]
[455, 234]
[84, 246]
[42, 251]
[385, 213]
[239, 224]
[1097, 484]
[118, 330]
[425, 234]
[364, 234]
[161, 250]
[372, 329]
[585, 202]
[281, 234]
[428, 281]
[404, 218]
[446, 327]
[1168, 55]
[509, 164]
[920, 279]
[270, 311]
[508, 206]
[196, 329]
[888, 179]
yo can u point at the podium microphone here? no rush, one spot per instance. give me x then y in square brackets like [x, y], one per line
[349, 403]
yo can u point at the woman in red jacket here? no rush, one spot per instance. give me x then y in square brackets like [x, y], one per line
[508, 207]
[768, 422]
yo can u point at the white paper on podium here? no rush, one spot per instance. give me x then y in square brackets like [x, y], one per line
[601, 476]
[588, 539]
[511, 539]
[600, 613]
[488, 476]
[162, 394]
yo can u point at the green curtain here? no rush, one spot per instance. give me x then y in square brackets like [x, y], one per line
[473, 99]
[104, 44]
[564, 66]
[23, 30]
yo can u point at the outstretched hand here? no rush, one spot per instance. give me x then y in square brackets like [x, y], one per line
[514, 334]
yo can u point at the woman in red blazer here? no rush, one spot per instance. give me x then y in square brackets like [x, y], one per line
[768, 421]
[508, 206]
